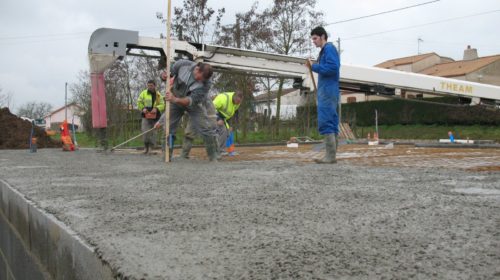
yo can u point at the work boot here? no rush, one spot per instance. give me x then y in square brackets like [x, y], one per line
[103, 141]
[211, 147]
[171, 153]
[146, 148]
[187, 144]
[331, 150]
[336, 142]
[218, 149]
[170, 143]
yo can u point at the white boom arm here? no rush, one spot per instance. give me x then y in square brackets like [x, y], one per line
[107, 45]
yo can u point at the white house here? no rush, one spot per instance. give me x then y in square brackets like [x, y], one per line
[55, 118]
[290, 99]
[353, 97]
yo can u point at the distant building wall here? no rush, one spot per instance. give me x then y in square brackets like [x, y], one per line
[428, 62]
[405, 67]
[57, 117]
[486, 75]
[287, 111]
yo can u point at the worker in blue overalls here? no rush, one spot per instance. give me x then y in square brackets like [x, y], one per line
[328, 68]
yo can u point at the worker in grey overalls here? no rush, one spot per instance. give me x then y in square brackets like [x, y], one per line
[189, 95]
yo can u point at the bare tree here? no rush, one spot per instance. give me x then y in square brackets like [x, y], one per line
[5, 99]
[124, 81]
[282, 28]
[241, 34]
[192, 19]
[140, 71]
[285, 30]
[34, 110]
[81, 95]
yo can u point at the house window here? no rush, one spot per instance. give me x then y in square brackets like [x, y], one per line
[351, 99]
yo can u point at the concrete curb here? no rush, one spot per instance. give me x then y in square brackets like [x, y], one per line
[53, 246]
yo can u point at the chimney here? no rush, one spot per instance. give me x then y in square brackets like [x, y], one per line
[470, 54]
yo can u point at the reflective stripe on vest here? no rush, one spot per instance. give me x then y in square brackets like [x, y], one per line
[226, 113]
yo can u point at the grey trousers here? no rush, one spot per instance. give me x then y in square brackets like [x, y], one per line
[222, 135]
[201, 119]
[190, 131]
[150, 137]
[221, 131]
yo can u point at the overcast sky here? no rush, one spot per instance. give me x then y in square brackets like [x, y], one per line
[43, 43]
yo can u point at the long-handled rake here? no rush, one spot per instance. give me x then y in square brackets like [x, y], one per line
[133, 138]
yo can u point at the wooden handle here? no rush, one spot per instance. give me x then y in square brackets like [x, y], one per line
[167, 105]
[313, 80]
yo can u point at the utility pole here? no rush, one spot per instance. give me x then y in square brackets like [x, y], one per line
[238, 33]
[66, 101]
[338, 46]
[340, 93]
[419, 40]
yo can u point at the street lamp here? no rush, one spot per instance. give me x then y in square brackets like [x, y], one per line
[66, 101]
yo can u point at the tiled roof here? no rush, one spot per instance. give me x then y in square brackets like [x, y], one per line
[459, 68]
[404, 60]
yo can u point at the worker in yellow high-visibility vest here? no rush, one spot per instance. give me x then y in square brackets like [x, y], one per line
[151, 105]
[225, 104]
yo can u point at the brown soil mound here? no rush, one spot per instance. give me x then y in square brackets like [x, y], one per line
[15, 133]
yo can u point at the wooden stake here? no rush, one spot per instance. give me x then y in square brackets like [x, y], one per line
[167, 88]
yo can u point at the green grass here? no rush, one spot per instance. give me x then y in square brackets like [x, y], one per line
[85, 140]
[473, 132]
[432, 132]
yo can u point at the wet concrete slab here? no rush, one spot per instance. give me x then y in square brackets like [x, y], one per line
[259, 219]
[469, 159]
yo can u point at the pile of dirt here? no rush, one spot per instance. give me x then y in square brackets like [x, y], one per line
[15, 133]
